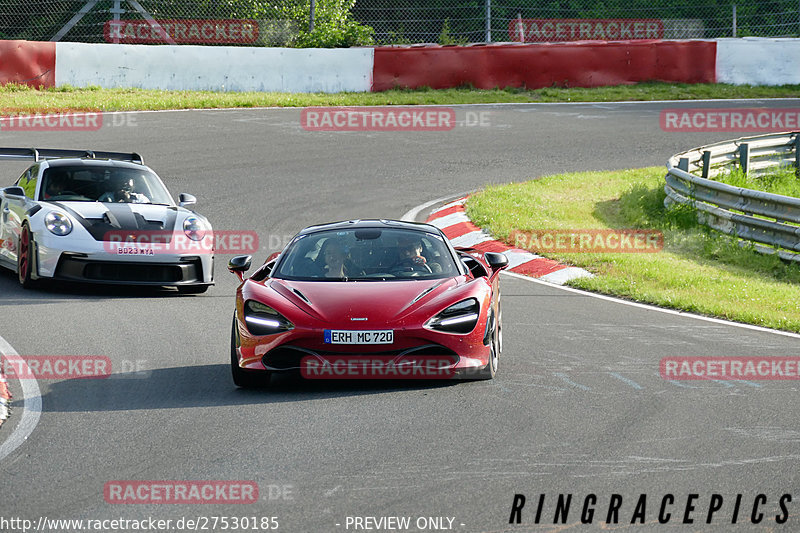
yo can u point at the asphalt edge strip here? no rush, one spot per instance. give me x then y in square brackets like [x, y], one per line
[5, 398]
[31, 405]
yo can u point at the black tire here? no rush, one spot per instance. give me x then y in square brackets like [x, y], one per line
[495, 345]
[25, 258]
[192, 289]
[245, 379]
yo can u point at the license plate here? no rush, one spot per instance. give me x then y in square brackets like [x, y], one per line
[345, 336]
[132, 250]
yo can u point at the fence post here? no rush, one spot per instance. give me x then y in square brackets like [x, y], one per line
[488, 21]
[311, 17]
[734, 20]
[706, 163]
[797, 155]
[744, 157]
[683, 164]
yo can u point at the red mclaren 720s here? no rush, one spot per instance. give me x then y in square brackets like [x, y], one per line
[368, 299]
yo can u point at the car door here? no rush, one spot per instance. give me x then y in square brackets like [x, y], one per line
[12, 213]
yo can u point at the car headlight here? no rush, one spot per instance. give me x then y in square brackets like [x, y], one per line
[58, 223]
[194, 228]
[263, 320]
[458, 318]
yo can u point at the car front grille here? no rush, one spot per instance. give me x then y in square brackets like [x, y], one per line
[78, 269]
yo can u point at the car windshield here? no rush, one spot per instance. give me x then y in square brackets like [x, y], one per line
[366, 254]
[84, 183]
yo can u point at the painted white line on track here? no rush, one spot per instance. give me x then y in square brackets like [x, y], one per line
[626, 380]
[32, 402]
[654, 308]
[412, 214]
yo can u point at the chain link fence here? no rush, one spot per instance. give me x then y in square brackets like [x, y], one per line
[278, 22]
[451, 22]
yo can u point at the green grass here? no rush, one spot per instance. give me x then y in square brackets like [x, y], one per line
[16, 99]
[698, 270]
[778, 181]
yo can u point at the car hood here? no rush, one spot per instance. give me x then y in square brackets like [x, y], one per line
[100, 218]
[361, 303]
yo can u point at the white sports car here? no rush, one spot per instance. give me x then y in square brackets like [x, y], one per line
[100, 217]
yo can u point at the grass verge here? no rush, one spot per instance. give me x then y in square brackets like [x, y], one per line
[698, 270]
[777, 181]
[17, 99]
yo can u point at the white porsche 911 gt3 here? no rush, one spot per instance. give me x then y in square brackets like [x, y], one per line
[100, 217]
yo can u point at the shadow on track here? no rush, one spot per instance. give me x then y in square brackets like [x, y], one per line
[205, 386]
[14, 294]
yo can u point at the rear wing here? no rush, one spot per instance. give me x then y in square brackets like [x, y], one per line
[41, 154]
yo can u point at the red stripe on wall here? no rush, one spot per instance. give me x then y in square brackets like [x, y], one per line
[577, 64]
[28, 63]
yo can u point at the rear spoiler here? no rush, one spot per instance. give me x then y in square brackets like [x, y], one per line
[41, 154]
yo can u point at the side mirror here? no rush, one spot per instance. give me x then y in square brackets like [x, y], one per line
[240, 264]
[496, 261]
[186, 199]
[14, 191]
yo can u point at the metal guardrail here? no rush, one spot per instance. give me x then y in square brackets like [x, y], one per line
[770, 221]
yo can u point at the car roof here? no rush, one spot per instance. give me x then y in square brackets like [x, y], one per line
[74, 161]
[371, 223]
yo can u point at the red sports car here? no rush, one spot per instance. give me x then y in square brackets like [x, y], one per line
[368, 299]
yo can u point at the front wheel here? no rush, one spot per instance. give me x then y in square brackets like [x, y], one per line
[245, 379]
[495, 345]
[25, 257]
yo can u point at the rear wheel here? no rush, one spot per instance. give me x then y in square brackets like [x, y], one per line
[25, 258]
[244, 378]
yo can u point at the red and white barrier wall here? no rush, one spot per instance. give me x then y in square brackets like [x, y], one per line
[753, 61]
[574, 64]
[577, 64]
[215, 68]
[28, 63]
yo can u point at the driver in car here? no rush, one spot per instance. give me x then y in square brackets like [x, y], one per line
[337, 264]
[122, 191]
[55, 186]
[410, 256]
